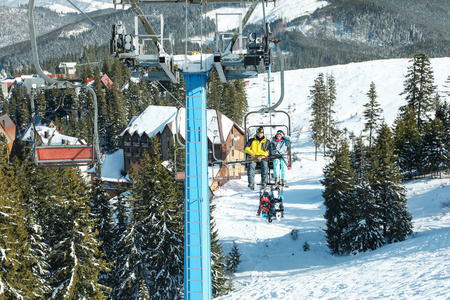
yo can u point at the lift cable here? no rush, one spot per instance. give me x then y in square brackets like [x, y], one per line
[90, 19]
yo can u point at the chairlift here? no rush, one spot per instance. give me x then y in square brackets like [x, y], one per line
[272, 113]
[56, 150]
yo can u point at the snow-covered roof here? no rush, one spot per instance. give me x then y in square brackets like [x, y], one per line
[154, 119]
[112, 167]
[53, 135]
[68, 64]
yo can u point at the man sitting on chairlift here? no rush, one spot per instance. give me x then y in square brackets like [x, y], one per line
[257, 148]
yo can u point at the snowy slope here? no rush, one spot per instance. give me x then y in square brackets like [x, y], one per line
[274, 266]
[283, 9]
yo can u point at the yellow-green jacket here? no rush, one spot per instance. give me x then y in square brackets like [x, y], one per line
[259, 148]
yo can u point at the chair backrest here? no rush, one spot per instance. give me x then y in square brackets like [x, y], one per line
[65, 155]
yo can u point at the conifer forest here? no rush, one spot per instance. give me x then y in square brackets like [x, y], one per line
[62, 236]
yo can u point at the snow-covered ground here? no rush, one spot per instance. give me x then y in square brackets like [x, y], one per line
[274, 265]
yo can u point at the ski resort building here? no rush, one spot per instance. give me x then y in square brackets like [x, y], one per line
[225, 143]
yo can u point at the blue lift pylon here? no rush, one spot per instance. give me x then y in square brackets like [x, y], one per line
[197, 247]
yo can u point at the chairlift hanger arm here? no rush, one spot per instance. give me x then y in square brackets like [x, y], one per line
[280, 100]
[51, 81]
[244, 22]
[146, 24]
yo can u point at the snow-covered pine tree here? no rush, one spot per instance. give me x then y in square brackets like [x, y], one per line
[167, 228]
[102, 107]
[386, 185]
[26, 174]
[16, 279]
[119, 231]
[132, 99]
[240, 104]
[318, 105]
[364, 229]
[100, 212]
[331, 95]
[229, 100]
[116, 120]
[359, 157]
[443, 114]
[154, 241]
[434, 148]
[407, 143]
[372, 113]
[215, 89]
[419, 88]
[74, 257]
[218, 277]
[338, 182]
[3, 104]
[233, 259]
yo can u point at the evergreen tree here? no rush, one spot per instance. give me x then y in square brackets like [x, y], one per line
[407, 143]
[154, 251]
[115, 121]
[318, 121]
[233, 259]
[240, 104]
[229, 101]
[102, 107]
[363, 231]
[214, 88]
[74, 257]
[386, 182]
[3, 104]
[330, 100]
[25, 172]
[218, 277]
[338, 183]
[419, 88]
[102, 216]
[359, 157]
[167, 255]
[443, 114]
[119, 231]
[372, 113]
[433, 147]
[16, 279]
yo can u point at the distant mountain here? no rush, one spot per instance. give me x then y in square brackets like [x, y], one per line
[63, 6]
[313, 32]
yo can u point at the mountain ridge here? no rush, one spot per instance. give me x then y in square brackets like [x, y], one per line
[339, 32]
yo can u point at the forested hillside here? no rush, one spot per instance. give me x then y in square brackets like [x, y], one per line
[341, 32]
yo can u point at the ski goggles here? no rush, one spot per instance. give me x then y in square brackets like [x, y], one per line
[280, 132]
[260, 130]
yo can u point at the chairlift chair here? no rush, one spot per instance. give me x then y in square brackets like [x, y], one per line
[273, 128]
[61, 154]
